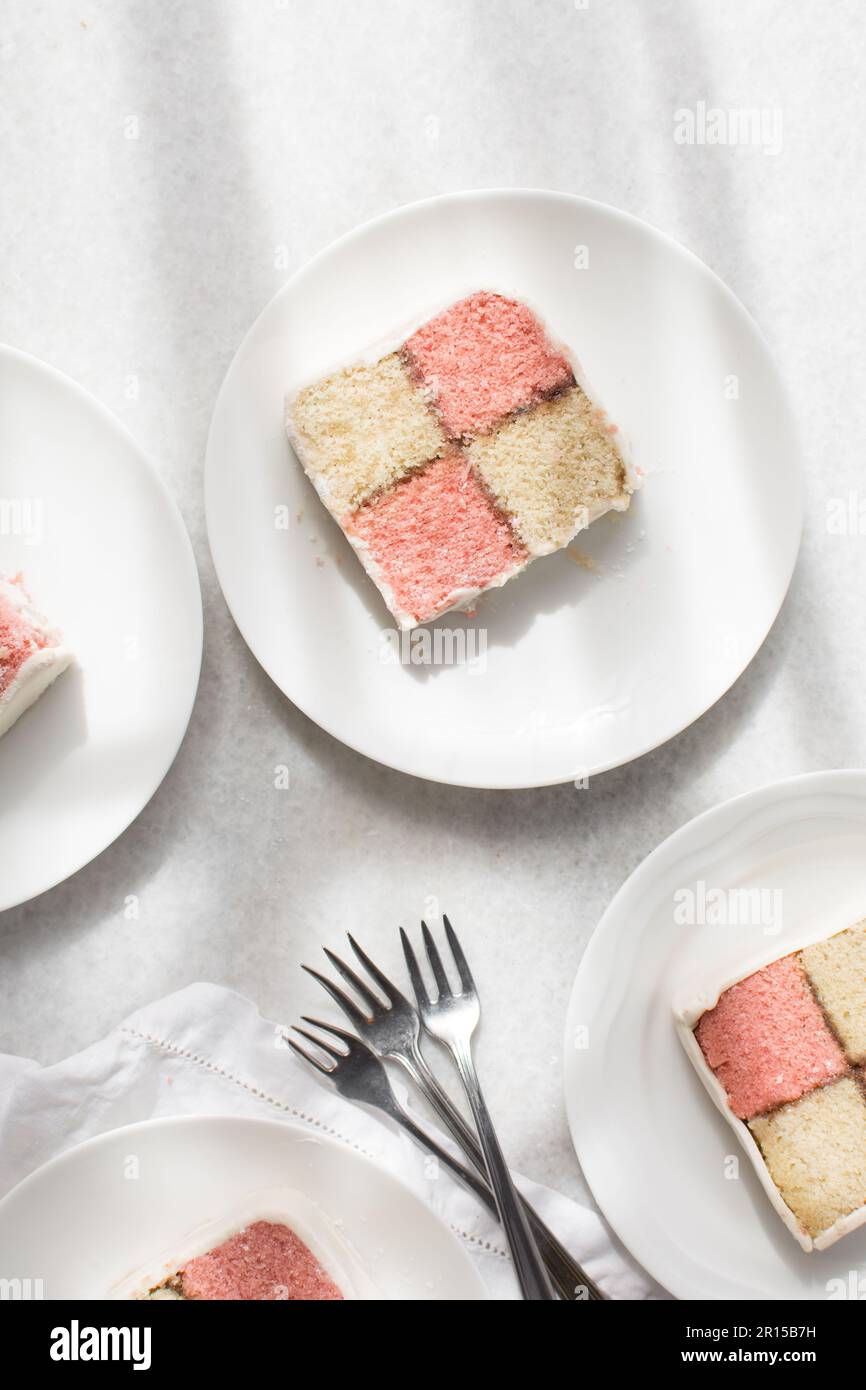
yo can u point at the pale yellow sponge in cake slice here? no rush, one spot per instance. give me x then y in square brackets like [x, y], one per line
[836, 969]
[553, 469]
[815, 1150]
[362, 429]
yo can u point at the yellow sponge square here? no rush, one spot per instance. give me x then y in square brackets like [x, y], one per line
[837, 972]
[815, 1149]
[361, 430]
[552, 469]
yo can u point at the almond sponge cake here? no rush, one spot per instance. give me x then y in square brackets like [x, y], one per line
[780, 1052]
[361, 430]
[460, 455]
[837, 973]
[553, 470]
[815, 1149]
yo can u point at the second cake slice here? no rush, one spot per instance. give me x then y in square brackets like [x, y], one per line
[781, 1053]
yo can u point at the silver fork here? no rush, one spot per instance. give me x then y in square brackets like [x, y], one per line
[452, 1019]
[359, 1075]
[393, 1031]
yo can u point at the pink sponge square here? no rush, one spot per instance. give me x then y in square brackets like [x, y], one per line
[263, 1262]
[484, 358]
[767, 1040]
[434, 534]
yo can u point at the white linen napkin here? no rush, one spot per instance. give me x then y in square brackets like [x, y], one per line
[206, 1050]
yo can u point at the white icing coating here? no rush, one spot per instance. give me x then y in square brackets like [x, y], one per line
[688, 1010]
[283, 1206]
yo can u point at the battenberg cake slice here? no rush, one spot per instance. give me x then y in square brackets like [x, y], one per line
[32, 654]
[459, 455]
[263, 1262]
[780, 1052]
[271, 1245]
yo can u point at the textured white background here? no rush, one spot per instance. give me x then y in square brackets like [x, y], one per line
[264, 130]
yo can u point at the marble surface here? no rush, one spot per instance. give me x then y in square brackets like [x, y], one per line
[166, 167]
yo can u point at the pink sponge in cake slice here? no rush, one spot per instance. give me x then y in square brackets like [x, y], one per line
[264, 1261]
[433, 539]
[767, 1040]
[484, 358]
[32, 654]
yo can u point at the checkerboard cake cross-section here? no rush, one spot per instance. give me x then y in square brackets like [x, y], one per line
[786, 1047]
[457, 458]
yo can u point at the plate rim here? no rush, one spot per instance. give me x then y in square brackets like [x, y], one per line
[492, 194]
[30, 361]
[785, 790]
[295, 1127]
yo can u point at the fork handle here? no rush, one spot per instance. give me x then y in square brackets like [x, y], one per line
[566, 1273]
[385, 1101]
[531, 1274]
[465, 1175]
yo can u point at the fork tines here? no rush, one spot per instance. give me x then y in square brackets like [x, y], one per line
[440, 976]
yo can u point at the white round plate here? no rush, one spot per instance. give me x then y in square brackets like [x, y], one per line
[82, 1225]
[594, 656]
[104, 552]
[650, 1142]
